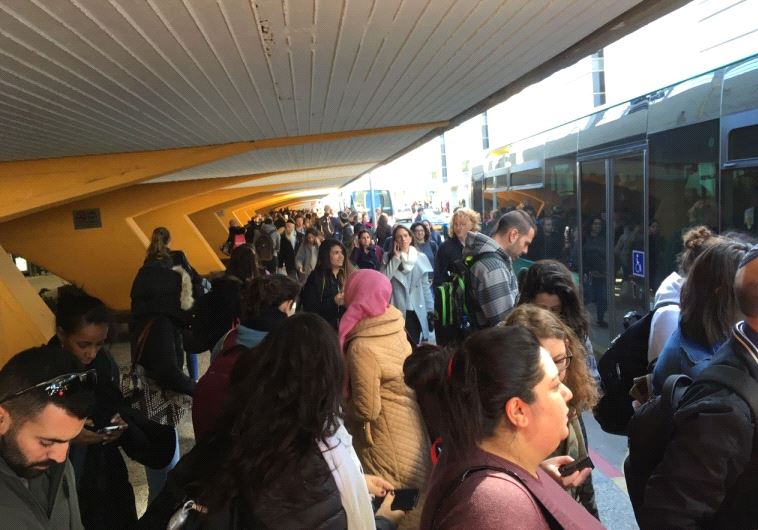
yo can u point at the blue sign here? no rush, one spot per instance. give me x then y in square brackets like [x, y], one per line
[638, 263]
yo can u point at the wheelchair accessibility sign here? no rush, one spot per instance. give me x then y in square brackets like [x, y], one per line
[638, 263]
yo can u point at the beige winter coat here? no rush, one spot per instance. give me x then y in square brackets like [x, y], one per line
[383, 415]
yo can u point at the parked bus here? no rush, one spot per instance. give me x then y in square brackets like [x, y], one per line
[647, 169]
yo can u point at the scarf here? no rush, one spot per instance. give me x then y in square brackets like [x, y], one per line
[402, 262]
[367, 294]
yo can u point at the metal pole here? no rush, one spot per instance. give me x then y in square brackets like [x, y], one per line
[372, 214]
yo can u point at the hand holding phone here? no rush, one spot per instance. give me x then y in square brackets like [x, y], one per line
[577, 465]
[111, 429]
[405, 499]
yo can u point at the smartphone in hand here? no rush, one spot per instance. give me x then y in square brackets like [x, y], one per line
[577, 465]
[405, 499]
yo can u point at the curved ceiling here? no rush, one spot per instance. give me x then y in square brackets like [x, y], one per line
[80, 77]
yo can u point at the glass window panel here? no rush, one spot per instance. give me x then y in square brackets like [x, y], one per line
[683, 171]
[743, 143]
[740, 198]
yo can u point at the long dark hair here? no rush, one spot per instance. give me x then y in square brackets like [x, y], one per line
[76, 309]
[324, 264]
[243, 263]
[395, 230]
[288, 399]
[491, 367]
[709, 305]
[552, 277]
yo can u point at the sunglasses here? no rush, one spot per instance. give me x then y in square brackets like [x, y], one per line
[60, 386]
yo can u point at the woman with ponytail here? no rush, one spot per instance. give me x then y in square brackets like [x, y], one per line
[266, 304]
[382, 413]
[504, 411]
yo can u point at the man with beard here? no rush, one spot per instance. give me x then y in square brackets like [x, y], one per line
[42, 409]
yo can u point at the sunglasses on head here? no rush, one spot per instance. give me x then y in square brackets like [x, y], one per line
[60, 386]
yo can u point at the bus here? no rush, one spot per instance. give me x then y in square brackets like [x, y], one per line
[360, 201]
[644, 170]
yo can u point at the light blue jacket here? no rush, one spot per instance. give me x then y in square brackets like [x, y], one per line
[411, 291]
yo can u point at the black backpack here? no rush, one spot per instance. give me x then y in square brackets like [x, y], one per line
[455, 304]
[652, 425]
[622, 362]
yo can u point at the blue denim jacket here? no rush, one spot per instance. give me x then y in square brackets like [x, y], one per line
[681, 356]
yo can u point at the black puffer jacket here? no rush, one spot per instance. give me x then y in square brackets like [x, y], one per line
[708, 477]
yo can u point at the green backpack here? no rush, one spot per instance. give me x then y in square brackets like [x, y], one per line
[455, 304]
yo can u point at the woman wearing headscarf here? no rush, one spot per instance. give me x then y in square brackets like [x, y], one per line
[382, 413]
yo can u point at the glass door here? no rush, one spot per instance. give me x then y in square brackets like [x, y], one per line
[614, 239]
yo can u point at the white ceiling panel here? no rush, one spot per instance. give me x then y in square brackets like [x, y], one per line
[102, 76]
[366, 149]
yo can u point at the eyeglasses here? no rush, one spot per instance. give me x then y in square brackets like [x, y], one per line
[60, 386]
[563, 362]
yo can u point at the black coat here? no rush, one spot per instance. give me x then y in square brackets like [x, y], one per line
[709, 473]
[318, 296]
[224, 306]
[155, 298]
[449, 252]
[106, 498]
[287, 252]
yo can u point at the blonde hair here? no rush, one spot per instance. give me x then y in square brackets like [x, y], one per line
[546, 325]
[471, 215]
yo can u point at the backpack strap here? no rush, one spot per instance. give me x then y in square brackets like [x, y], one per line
[741, 383]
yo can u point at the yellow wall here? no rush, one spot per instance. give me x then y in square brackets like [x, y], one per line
[104, 260]
[25, 320]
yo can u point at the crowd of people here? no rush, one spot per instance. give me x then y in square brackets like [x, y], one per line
[327, 403]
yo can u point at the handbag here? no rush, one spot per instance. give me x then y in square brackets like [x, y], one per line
[160, 405]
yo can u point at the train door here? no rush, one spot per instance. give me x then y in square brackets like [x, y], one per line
[614, 261]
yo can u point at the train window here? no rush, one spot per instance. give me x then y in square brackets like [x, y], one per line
[529, 177]
[740, 195]
[683, 172]
[743, 143]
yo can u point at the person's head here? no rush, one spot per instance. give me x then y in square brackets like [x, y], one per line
[159, 242]
[420, 233]
[463, 221]
[81, 323]
[289, 227]
[364, 239]
[280, 224]
[428, 225]
[364, 218]
[746, 286]
[243, 263]
[694, 242]
[514, 233]
[402, 237]
[367, 294]
[565, 348]
[331, 256]
[37, 420]
[327, 210]
[299, 221]
[708, 302]
[265, 292]
[383, 222]
[548, 225]
[281, 403]
[596, 226]
[550, 285]
[311, 236]
[233, 223]
[503, 385]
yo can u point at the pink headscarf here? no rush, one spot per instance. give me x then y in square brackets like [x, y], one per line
[367, 294]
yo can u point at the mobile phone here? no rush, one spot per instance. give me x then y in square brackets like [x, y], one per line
[405, 499]
[111, 429]
[577, 465]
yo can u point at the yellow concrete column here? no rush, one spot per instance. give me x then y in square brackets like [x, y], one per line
[25, 320]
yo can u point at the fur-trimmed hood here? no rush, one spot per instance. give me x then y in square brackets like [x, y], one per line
[185, 298]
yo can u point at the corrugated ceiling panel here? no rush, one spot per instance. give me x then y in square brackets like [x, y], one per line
[369, 149]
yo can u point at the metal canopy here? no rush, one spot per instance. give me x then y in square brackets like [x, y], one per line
[107, 76]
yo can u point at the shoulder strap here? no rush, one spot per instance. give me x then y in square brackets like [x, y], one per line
[742, 384]
[140, 344]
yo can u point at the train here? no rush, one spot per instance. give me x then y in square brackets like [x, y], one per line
[613, 191]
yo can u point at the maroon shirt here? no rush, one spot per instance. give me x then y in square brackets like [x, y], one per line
[492, 499]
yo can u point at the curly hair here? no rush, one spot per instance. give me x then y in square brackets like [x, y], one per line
[545, 325]
[694, 242]
[471, 215]
[266, 291]
[285, 399]
[552, 277]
